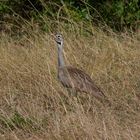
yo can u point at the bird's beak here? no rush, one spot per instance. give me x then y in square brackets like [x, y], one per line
[52, 35]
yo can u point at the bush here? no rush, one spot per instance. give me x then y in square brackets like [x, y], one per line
[24, 8]
[120, 14]
[117, 14]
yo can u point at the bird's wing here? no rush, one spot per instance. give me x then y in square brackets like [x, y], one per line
[83, 79]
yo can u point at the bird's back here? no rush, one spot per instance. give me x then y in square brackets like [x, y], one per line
[80, 81]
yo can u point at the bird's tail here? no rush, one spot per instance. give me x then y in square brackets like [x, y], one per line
[103, 99]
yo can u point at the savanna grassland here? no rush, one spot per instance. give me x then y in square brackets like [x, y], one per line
[35, 106]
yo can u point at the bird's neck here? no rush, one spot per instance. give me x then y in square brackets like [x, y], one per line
[60, 57]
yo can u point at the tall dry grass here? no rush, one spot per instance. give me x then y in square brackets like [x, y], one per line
[35, 106]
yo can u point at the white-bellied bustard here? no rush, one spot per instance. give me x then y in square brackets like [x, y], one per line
[75, 78]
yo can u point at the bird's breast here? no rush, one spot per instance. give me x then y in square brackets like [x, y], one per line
[64, 78]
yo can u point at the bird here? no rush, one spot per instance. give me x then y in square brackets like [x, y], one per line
[75, 78]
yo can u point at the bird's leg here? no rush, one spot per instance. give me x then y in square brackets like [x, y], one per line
[71, 91]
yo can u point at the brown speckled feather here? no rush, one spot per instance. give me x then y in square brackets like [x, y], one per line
[80, 81]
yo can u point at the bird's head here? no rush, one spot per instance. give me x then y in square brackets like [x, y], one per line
[59, 39]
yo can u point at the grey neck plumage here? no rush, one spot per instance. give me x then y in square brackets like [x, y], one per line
[60, 56]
